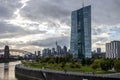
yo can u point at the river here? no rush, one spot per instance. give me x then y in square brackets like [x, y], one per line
[7, 70]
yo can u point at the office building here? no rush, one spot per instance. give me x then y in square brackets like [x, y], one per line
[80, 44]
[46, 52]
[98, 54]
[113, 49]
[64, 50]
[98, 50]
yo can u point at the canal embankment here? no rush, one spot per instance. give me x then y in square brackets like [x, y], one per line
[23, 73]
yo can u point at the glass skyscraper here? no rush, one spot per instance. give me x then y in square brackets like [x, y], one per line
[80, 44]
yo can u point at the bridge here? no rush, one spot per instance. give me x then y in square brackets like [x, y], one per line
[16, 52]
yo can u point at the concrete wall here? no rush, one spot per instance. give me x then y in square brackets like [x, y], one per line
[23, 73]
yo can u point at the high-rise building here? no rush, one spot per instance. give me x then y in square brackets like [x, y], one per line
[58, 49]
[46, 52]
[98, 50]
[64, 50]
[81, 33]
[6, 52]
[113, 49]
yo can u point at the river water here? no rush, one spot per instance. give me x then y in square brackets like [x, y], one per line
[7, 70]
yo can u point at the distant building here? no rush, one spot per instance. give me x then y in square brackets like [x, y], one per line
[1, 56]
[64, 49]
[6, 52]
[80, 45]
[58, 50]
[113, 49]
[53, 51]
[98, 54]
[46, 52]
[98, 50]
[39, 53]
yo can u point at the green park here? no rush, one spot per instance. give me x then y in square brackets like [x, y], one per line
[99, 66]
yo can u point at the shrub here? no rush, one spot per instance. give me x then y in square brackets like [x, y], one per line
[94, 66]
[106, 64]
[62, 64]
[77, 65]
[96, 63]
[117, 65]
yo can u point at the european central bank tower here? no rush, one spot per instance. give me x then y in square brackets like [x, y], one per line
[80, 44]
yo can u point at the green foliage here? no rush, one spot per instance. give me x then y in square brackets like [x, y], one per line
[75, 65]
[51, 60]
[69, 57]
[94, 66]
[83, 61]
[62, 65]
[37, 60]
[87, 61]
[106, 64]
[96, 63]
[117, 65]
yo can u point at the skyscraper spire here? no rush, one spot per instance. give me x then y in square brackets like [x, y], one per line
[83, 3]
[56, 43]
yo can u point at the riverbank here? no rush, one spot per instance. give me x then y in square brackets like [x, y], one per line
[46, 74]
[99, 66]
[73, 67]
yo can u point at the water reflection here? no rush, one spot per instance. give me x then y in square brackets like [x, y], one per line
[7, 70]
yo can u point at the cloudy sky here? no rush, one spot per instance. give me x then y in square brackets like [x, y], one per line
[36, 24]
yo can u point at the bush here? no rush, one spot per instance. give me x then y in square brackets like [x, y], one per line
[51, 60]
[106, 64]
[75, 65]
[117, 65]
[62, 64]
[96, 64]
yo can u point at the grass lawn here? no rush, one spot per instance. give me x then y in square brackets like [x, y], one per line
[66, 67]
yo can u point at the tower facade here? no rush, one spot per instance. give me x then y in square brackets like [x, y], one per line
[80, 44]
[113, 49]
[6, 52]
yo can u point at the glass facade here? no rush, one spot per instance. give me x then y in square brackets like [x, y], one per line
[81, 33]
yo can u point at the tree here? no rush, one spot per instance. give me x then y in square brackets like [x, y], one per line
[117, 65]
[96, 63]
[51, 60]
[88, 61]
[83, 61]
[106, 64]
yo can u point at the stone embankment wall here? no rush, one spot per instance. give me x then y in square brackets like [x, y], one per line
[25, 73]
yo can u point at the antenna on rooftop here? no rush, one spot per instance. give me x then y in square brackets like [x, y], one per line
[83, 3]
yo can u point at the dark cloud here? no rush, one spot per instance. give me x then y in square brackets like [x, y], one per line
[46, 11]
[106, 12]
[9, 31]
[7, 8]
[4, 28]
[41, 9]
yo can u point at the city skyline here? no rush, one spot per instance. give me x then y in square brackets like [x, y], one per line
[33, 25]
